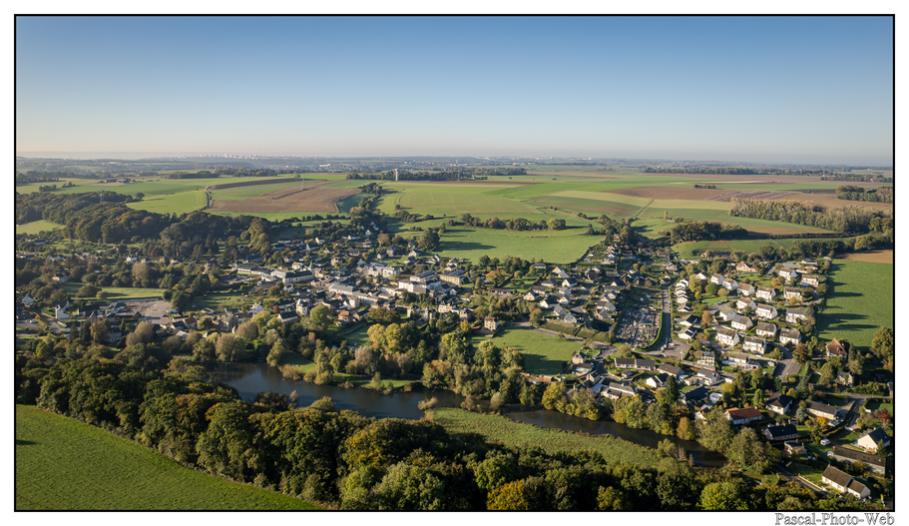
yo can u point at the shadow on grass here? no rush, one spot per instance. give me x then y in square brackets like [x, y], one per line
[20, 442]
[465, 245]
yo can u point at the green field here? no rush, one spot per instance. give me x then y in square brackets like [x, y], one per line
[36, 227]
[64, 464]
[556, 246]
[177, 203]
[543, 352]
[120, 293]
[502, 430]
[862, 301]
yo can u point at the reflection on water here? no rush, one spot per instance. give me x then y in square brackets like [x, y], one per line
[251, 379]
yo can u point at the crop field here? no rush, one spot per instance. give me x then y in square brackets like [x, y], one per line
[64, 464]
[861, 301]
[543, 353]
[502, 430]
[292, 197]
[36, 227]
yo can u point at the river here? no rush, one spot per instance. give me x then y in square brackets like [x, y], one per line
[251, 379]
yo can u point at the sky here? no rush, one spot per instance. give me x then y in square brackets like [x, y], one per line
[749, 89]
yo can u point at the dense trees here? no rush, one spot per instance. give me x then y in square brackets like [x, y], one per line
[704, 230]
[859, 193]
[849, 220]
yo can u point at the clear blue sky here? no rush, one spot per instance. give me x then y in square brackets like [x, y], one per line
[814, 90]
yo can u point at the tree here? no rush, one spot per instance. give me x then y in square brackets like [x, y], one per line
[277, 354]
[723, 496]
[685, 430]
[429, 241]
[801, 353]
[226, 447]
[229, 347]
[715, 431]
[508, 497]
[748, 451]
[321, 318]
[882, 346]
[143, 333]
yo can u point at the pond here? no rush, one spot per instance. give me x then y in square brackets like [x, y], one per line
[251, 379]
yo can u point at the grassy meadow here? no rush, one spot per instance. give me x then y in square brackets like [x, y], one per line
[36, 227]
[502, 430]
[861, 301]
[543, 353]
[64, 464]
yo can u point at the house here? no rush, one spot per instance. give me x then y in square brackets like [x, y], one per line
[455, 277]
[640, 364]
[727, 337]
[794, 448]
[694, 396]
[766, 312]
[755, 344]
[781, 433]
[765, 330]
[739, 360]
[746, 289]
[688, 334]
[766, 294]
[845, 378]
[835, 348]
[792, 294]
[810, 280]
[822, 410]
[789, 274]
[790, 336]
[781, 405]
[743, 416]
[798, 314]
[743, 266]
[656, 381]
[670, 369]
[616, 390]
[873, 441]
[844, 482]
[875, 463]
[744, 304]
[741, 323]
[490, 324]
[60, 313]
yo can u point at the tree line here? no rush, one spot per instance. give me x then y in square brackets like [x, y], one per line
[849, 219]
[705, 230]
[859, 193]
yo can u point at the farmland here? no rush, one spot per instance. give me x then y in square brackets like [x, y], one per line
[861, 301]
[67, 465]
[36, 227]
[543, 353]
[500, 429]
[690, 249]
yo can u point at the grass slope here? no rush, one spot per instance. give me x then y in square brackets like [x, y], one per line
[556, 246]
[65, 464]
[36, 227]
[543, 353]
[500, 429]
[862, 301]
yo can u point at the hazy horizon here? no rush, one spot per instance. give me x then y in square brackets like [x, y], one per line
[758, 90]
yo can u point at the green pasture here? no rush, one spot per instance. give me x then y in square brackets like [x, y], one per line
[861, 301]
[37, 227]
[64, 464]
[544, 353]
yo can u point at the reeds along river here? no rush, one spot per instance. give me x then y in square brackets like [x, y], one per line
[251, 379]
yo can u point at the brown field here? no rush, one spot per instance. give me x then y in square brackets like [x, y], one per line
[254, 182]
[878, 256]
[317, 197]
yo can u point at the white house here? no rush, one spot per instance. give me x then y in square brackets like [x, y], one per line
[766, 312]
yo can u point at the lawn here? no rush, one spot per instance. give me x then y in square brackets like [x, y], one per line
[500, 429]
[554, 246]
[861, 301]
[64, 464]
[36, 227]
[120, 293]
[543, 352]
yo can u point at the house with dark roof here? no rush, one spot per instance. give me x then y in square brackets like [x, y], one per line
[743, 416]
[875, 463]
[873, 440]
[823, 410]
[781, 405]
[781, 433]
[843, 482]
